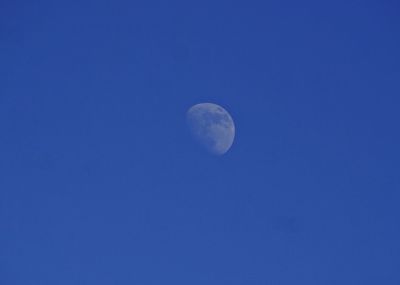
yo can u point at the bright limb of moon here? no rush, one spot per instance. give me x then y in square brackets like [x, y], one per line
[212, 126]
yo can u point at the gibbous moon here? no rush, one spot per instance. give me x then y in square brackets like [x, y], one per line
[212, 126]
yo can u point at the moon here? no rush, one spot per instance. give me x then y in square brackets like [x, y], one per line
[212, 126]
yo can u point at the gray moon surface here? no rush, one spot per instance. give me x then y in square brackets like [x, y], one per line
[212, 126]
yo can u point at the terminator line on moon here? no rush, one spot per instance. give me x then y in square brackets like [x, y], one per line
[212, 126]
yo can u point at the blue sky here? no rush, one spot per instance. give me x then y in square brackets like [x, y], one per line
[101, 183]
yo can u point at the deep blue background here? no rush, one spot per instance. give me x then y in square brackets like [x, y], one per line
[100, 182]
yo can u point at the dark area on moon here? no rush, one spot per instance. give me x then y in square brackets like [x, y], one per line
[220, 118]
[203, 123]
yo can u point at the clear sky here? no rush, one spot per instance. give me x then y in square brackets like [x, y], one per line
[101, 182]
